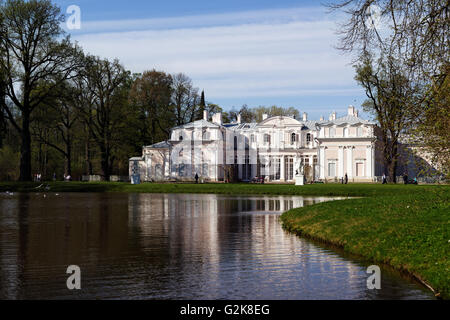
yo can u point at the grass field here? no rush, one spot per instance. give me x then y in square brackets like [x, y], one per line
[406, 227]
[352, 190]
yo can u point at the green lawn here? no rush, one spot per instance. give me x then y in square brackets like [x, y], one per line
[407, 227]
[353, 190]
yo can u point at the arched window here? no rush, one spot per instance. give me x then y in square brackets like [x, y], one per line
[345, 132]
[308, 137]
[180, 138]
[293, 138]
[267, 138]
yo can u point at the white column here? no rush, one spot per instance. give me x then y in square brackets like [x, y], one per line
[369, 161]
[322, 162]
[373, 161]
[341, 162]
[350, 161]
[282, 169]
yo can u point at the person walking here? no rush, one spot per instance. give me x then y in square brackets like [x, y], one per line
[405, 178]
[196, 178]
[346, 179]
[384, 179]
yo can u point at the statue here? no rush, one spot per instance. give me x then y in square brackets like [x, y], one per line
[301, 167]
[300, 172]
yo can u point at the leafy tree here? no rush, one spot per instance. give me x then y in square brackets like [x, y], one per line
[58, 118]
[3, 123]
[32, 50]
[246, 114]
[184, 99]
[275, 111]
[389, 98]
[202, 106]
[151, 95]
[432, 124]
[108, 84]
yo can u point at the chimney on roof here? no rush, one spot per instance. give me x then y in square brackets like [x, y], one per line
[217, 118]
[265, 116]
[305, 116]
[351, 111]
[205, 115]
[239, 118]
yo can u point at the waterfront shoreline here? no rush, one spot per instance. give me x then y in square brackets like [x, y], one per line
[405, 227]
[411, 235]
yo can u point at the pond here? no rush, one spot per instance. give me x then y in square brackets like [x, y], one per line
[174, 246]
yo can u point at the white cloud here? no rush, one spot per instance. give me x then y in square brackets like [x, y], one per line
[280, 53]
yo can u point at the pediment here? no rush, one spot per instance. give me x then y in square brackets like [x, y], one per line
[280, 121]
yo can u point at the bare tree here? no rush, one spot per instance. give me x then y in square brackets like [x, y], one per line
[414, 34]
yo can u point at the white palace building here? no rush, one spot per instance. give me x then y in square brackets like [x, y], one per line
[273, 150]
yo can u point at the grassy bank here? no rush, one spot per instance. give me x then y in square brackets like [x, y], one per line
[351, 190]
[407, 227]
[408, 231]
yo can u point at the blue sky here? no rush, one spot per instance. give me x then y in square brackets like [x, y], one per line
[256, 52]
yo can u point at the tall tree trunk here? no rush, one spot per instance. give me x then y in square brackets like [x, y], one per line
[105, 158]
[68, 156]
[392, 160]
[87, 150]
[25, 149]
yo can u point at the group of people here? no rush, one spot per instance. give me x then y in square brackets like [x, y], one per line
[405, 179]
[344, 180]
[37, 177]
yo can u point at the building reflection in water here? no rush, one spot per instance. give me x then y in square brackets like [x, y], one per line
[165, 246]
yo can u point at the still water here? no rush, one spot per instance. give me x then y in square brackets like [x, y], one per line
[165, 246]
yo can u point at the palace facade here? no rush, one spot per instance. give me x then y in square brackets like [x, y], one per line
[273, 150]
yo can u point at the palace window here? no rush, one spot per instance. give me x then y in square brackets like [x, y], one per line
[308, 137]
[267, 138]
[252, 138]
[206, 135]
[332, 169]
[293, 138]
[345, 132]
[332, 132]
[158, 171]
[359, 132]
[180, 138]
[181, 170]
[205, 170]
